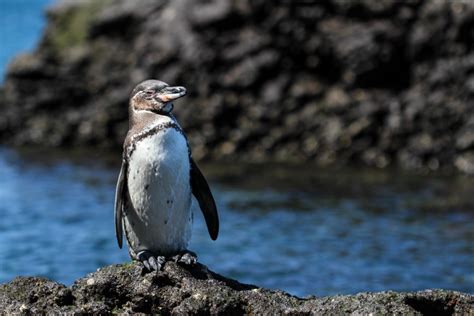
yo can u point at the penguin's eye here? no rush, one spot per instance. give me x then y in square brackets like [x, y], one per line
[149, 92]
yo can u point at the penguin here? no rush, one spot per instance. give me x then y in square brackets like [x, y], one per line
[156, 182]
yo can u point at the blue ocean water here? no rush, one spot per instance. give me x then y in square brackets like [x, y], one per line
[21, 24]
[340, 235]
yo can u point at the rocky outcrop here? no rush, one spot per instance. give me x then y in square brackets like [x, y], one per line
[377, 83]
[125, 289]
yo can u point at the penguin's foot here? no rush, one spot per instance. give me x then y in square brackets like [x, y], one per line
[187, 257]
[151, 263]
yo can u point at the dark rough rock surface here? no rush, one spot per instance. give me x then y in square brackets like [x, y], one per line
[125, 289]
[372, 82]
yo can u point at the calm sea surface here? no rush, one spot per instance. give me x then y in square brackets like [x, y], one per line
[301, 229]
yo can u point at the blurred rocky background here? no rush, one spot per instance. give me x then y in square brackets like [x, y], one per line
[377, 83]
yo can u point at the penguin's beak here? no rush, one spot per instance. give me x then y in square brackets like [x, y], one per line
[169, 94]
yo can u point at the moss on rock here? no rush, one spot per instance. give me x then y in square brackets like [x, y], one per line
[69, 25]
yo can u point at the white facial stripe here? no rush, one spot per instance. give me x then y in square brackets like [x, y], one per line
[139, 93]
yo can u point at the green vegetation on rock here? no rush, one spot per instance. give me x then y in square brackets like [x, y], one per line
[71, 27]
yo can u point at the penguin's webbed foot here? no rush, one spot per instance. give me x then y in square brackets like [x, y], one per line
[151, 263]
[187, 257]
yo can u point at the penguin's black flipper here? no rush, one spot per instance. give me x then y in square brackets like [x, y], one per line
[203, 195]
[119, 202]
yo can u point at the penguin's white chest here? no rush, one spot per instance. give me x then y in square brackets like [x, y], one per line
[160, 194]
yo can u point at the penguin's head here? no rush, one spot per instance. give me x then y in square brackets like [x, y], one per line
[155, 96]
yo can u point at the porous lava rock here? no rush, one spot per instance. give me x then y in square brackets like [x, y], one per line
[178, 290]
[368, 82]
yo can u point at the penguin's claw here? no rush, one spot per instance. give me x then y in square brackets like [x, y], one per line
[187, 257]
[156, 263]
[160, 260]
[151, 262]
[146, 264]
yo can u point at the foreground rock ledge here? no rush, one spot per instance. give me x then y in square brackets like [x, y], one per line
[197, 290]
